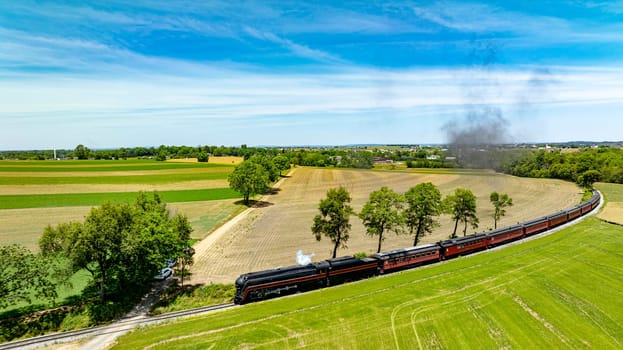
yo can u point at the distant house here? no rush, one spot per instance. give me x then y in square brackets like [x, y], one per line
[433, 157]
[383, 160]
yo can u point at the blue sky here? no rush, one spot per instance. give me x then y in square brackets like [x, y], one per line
[145, 73]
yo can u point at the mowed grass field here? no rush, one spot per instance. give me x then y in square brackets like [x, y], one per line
[34, 194]
[564, 290]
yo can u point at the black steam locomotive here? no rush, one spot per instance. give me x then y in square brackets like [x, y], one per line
[267, 284]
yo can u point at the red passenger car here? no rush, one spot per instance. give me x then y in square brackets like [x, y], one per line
[405, 258]
[468, 244]
[503, 235]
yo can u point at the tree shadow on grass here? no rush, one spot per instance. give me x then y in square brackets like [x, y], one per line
[273, 191]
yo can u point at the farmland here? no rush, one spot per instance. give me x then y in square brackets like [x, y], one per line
[613, 193]
[560, 291]
[34, 194]
[270, 235]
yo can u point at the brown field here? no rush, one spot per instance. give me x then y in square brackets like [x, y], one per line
[25, 226]
[96, 188]
[270, 235]
[613, 212]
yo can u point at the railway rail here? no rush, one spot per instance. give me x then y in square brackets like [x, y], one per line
[120, 326]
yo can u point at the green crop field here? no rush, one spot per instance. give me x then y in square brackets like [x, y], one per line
[98, 165]
[94, 199]
[564, 290]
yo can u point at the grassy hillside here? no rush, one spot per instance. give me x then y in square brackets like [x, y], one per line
[560, 291]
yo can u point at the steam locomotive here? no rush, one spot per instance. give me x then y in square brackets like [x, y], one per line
[272, 283]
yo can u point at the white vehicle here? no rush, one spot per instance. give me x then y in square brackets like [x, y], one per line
[164, 274]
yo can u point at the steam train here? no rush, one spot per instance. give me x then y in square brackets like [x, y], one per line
[273, 283]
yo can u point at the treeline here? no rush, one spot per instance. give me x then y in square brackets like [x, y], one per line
[414, 213]
[362, 157]
[584, 166]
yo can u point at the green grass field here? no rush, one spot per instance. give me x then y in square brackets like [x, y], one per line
[564, 290]
[98, 165]
[88, 199]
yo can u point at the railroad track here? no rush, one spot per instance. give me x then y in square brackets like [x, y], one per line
[120, 326]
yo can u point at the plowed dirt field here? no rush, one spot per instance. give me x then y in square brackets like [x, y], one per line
[270, 234]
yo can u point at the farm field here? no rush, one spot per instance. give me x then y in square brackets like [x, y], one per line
[613, 212]
[270, 236]
[34, 194]
[564, 290]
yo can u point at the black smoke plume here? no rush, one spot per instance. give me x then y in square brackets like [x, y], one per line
[476, 138]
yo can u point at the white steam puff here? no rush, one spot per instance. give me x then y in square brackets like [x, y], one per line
[303, 259]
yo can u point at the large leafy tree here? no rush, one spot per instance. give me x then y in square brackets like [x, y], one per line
[82, 152]
[24, 275]
[121, 245]
[500, 202]
[249, 179]
[462, 207]
[282, 163]
[382, 213]
[267, 163]
[333, 220]
[423, 205]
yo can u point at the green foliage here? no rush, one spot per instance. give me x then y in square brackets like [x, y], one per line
[282, 163]
[499, 201]
[605, 164]
[360, 255]
[588, 178]
[203, 157]
[382, 213]
[271, 169]
[177, 298]
[121, 245]
[423, 205]
[24, 275]
[333, 220]
[462, 207]
[249, 178]
[559, 291]
[82, 152]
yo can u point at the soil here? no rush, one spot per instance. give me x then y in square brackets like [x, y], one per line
[269, 234]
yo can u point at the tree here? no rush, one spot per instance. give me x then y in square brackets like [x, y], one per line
[203, 157]
[333, 220]
[185, 260]
[382, 213]
[462, 207]
[499, 201]
[249, 179]
[82, 152]
[423, 205]
[121, 245]
[24, 275]
[268, 165]
[588, 178]
[282, 163]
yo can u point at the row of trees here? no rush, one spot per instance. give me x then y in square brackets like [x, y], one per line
[344, 157]
[414, 212]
